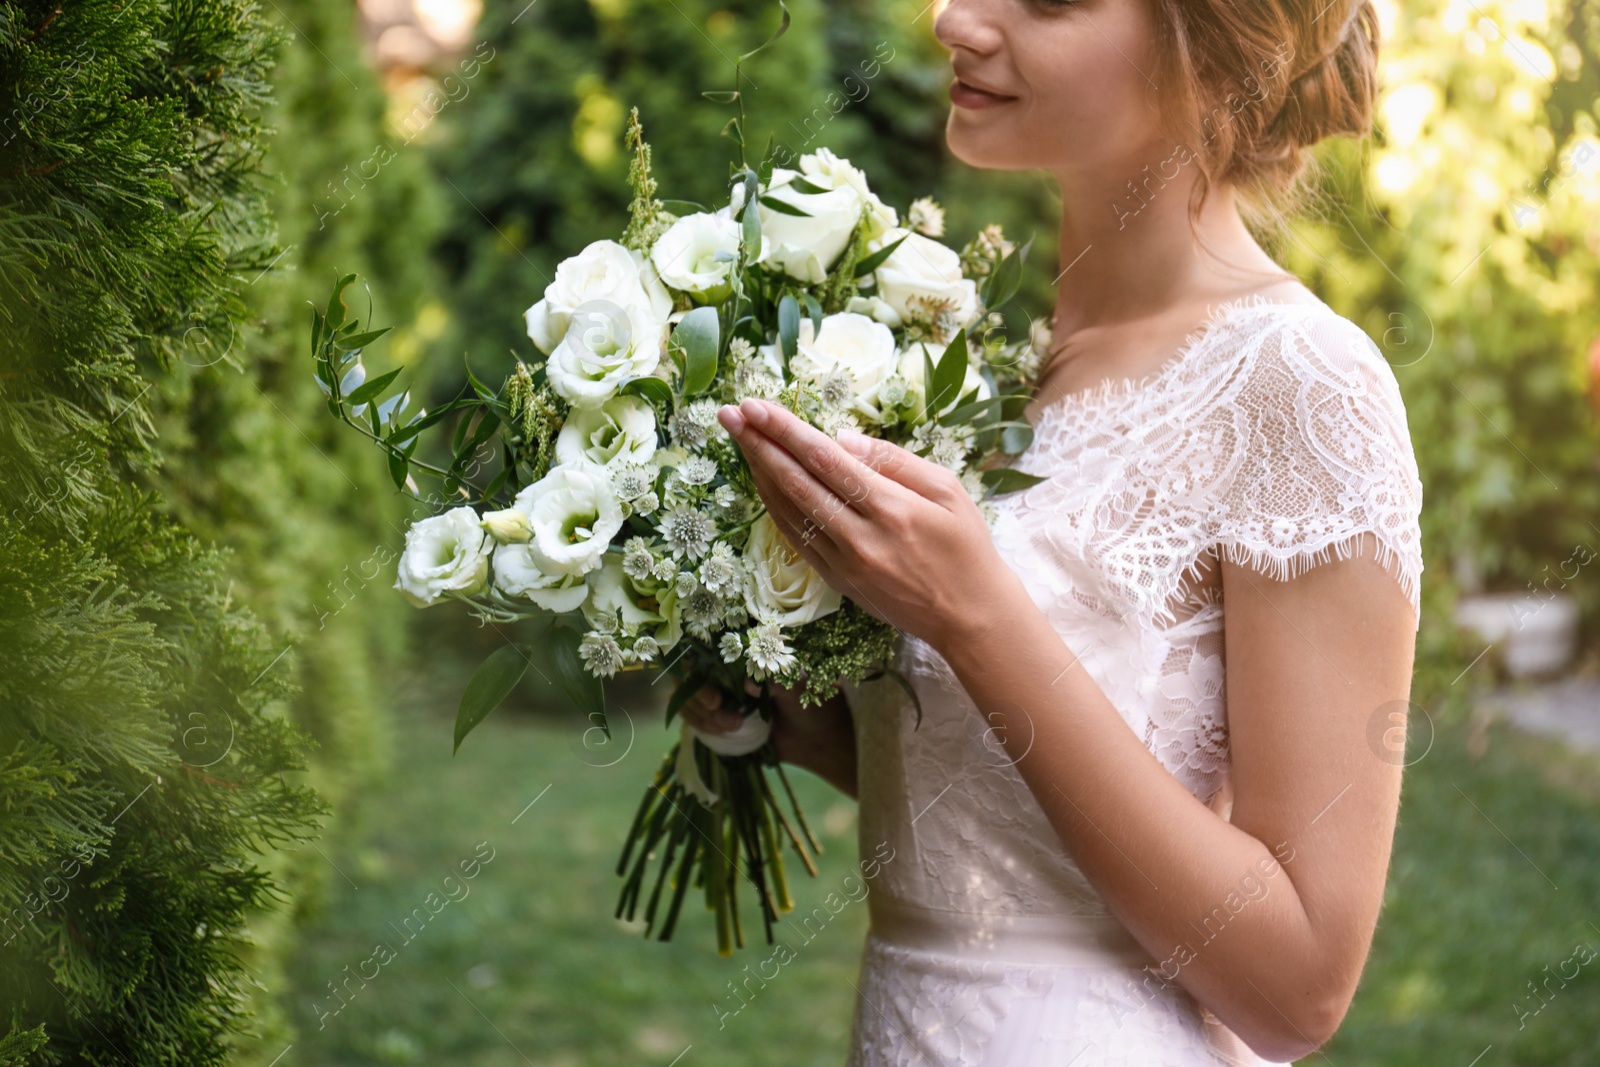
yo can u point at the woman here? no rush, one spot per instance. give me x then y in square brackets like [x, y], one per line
[1124, 832]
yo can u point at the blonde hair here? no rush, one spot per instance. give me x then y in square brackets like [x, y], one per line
[1304, 71]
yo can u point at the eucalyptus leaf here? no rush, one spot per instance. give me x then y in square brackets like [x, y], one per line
[789, 327]
[698, 335]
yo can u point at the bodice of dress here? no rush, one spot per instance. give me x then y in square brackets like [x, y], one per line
[1274, 438]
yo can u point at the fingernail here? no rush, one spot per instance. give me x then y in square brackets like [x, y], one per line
[854, 441]
[754, 410]
[731, 418]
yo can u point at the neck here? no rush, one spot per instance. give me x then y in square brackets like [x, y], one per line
[1128, 252]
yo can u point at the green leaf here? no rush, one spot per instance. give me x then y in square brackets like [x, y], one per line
[1015, 439]
[801, 185]
[370, 390]
[874, 261]
[789, 327]
[491, 683]
[580, 686]
[814, 309]
[361, 340]
[652, 389]
[783, 28]
[1002, 284]
[336, 311]
[1007, 480]
[784, 209]
[398, 467]
[721, 96]
[751, 220]
[682, 207]
[945, 385]
[698, 335]
[976, 412]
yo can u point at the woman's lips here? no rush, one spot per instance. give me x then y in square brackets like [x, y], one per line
[964, 95]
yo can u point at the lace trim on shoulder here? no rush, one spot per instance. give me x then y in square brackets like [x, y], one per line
[1087, 403]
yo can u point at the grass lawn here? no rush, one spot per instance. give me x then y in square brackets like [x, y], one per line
[530, 965]
[1496, 877]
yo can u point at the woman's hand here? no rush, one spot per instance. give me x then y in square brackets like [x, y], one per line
[821, 739]
[896, 533]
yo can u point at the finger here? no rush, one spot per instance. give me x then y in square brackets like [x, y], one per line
[789, 479]
[803, 532]
[904, 467]
[821, 455]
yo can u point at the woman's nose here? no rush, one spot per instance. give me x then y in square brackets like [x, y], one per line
[971, 25]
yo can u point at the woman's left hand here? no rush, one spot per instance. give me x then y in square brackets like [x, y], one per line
[894, 532]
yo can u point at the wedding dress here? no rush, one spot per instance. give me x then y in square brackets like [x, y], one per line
[1275, 435]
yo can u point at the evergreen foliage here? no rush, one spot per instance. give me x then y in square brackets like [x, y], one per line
[155, 692]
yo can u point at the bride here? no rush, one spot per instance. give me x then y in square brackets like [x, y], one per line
[1126, 831]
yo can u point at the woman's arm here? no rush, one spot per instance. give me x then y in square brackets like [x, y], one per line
[1266, 919]
[1310, 663]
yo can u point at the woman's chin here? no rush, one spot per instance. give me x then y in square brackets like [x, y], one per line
[984, 149]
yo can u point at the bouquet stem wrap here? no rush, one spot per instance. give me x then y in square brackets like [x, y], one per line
[709, 820]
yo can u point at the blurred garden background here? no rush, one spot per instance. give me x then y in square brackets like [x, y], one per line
[225, 767]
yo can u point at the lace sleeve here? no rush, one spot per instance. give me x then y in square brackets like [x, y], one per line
[1324, 455]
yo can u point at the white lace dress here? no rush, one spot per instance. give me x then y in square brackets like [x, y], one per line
[1275, 435]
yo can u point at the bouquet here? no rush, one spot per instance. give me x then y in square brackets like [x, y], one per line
[623, 510]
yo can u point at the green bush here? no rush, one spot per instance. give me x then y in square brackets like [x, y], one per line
[1461, 240]
[158, 694]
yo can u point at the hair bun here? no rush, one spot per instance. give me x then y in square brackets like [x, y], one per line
[1336, 93]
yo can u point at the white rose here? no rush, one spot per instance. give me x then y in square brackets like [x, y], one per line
[574, 512]
[650, 606]
[852, 343]
[522, 570]
[597, 354]
[922, 271]
[685, 257]
[914, 371]
[804, 247]
[830, 171]
[781, 583]
[621, 430]
[604, 271]
[444, 554]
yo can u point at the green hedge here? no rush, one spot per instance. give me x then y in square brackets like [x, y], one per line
[159, 696]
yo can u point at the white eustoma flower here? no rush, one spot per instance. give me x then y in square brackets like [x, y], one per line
[920, 277]
[522, 570]
[686, 256]
[575, 513]
[782, 586]
[831, 171]
[603, 271]
[444, 554]
[854, 344]
[651, 608]
[913, 370]
[619, 431]
[600, 351]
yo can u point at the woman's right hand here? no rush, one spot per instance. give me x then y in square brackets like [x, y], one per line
[820, 738]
